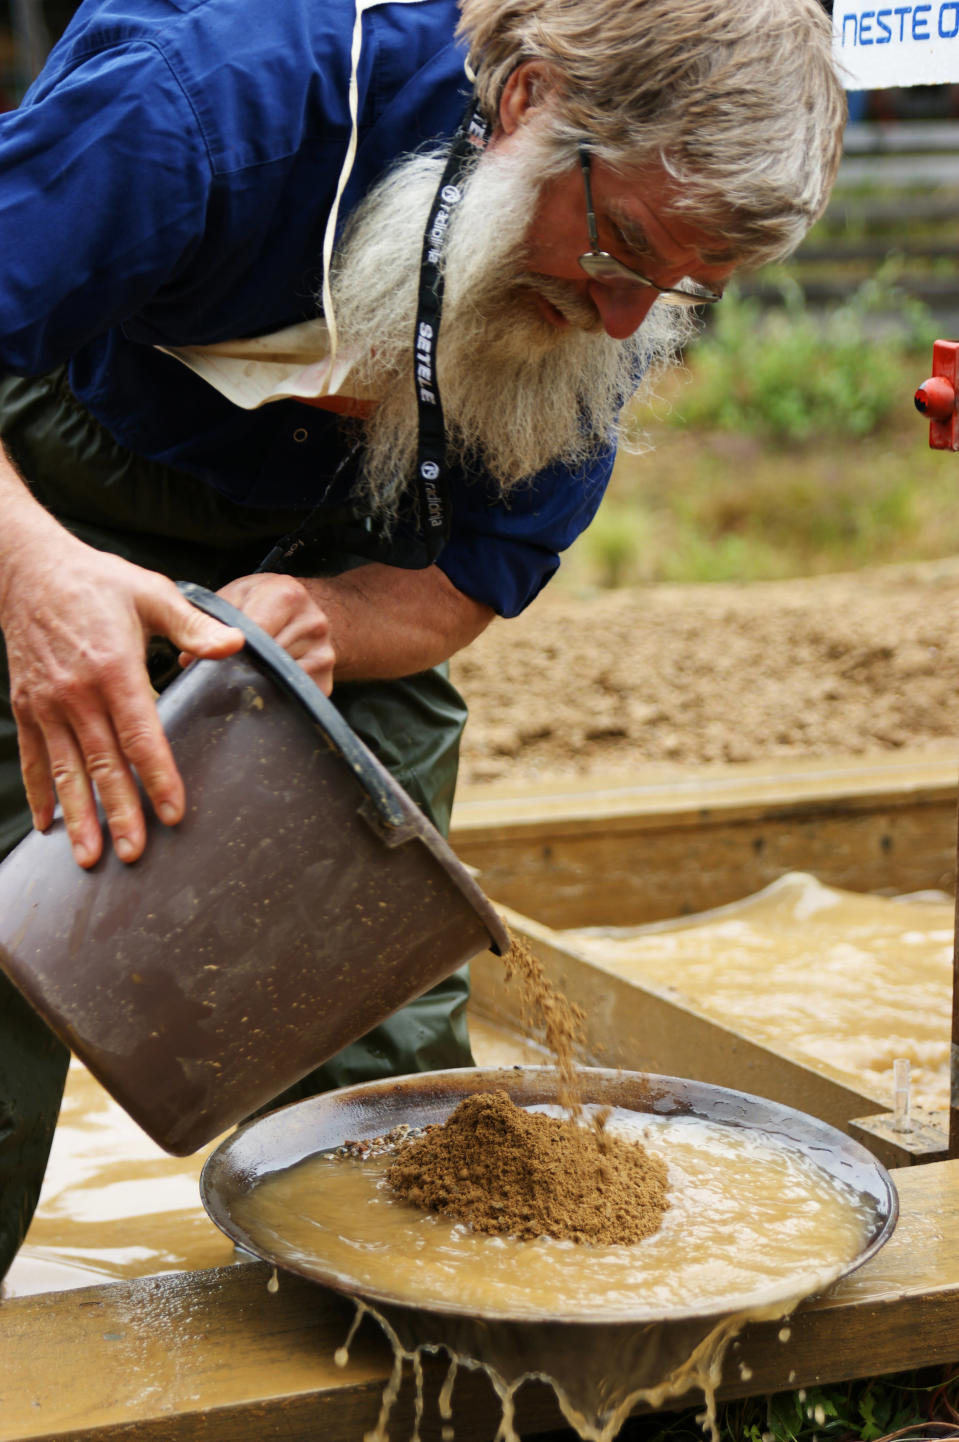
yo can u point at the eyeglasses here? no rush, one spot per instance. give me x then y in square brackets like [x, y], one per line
[600, 265]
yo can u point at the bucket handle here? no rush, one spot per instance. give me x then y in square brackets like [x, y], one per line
[294, 680]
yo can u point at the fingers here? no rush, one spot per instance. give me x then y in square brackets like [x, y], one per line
[75, 628]
[66, 770]
[284, 608]
[35, 769]
[314, 653]
[191, 629]
[137, 741]
[87, 723]
[75, 771]
[101, 754]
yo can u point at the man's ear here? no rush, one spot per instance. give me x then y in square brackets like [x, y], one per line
[529, 89]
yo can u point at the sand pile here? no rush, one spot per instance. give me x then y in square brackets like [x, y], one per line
[509, 1172]
[506, 1171]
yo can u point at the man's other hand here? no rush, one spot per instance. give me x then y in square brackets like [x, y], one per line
[283, 607]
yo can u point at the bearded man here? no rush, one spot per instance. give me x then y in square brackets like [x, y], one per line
[185, 174]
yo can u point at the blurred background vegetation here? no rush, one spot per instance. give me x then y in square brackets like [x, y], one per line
[787, 445]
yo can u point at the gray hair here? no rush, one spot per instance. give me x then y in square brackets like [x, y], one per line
[739, 100]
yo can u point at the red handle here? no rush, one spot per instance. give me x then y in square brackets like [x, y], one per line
[936, 397]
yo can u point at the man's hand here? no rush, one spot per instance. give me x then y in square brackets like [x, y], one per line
[75, 622]
[285, 609]
[370, 623]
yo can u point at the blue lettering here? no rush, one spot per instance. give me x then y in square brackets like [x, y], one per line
[876, 27]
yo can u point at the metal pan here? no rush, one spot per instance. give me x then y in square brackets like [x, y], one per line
[643, 1343]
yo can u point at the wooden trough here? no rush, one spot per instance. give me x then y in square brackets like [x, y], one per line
[209, 1354]
[626, 854]
[212, 1356]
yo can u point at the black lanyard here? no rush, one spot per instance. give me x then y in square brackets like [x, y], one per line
[431, 467]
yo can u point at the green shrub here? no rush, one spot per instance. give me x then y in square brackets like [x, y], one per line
[918, 1406]
[793, 375]
[789, 447]
[617, 538]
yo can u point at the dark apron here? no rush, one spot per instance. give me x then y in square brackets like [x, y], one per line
[164, 520]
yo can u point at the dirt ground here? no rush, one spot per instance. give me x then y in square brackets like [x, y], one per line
[667, 675]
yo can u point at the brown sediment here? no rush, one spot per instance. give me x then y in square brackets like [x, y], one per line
[660, 675]
[547, 1011]
[510, 1172]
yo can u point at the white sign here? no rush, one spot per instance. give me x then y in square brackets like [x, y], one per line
[878, 46]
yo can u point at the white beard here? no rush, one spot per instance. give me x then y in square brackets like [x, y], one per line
[517, 392]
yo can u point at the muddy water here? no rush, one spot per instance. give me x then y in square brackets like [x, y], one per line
[849, 980]
[746, 1218]
[752, 1228]
[597, 1393]
[115, 1205]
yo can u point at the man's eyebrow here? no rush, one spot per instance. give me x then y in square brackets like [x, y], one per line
[639, 243]
[633, 234]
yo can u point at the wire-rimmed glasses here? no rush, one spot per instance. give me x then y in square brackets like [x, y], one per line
[600, 265]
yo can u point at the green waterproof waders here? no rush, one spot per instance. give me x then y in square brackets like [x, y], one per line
[164, 520]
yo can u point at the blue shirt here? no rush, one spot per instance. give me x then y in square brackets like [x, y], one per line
[167, 181]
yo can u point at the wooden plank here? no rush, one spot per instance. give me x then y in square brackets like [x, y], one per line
[831, 252]
[747, 787]
[214, 1357]
[624, 852]
[935, 290]
[592, 879]
[927, 1139]
[207, 1355]
[917, 137]
[865, 1325]
[848, 208]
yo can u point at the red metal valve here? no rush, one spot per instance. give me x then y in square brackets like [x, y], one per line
[936, 397]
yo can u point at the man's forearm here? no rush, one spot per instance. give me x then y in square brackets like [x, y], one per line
[387, 622]
[25, 521]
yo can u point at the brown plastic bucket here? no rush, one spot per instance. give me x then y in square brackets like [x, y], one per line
[301, 901]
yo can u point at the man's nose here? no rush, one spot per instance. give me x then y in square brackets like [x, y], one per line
[622, 309]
